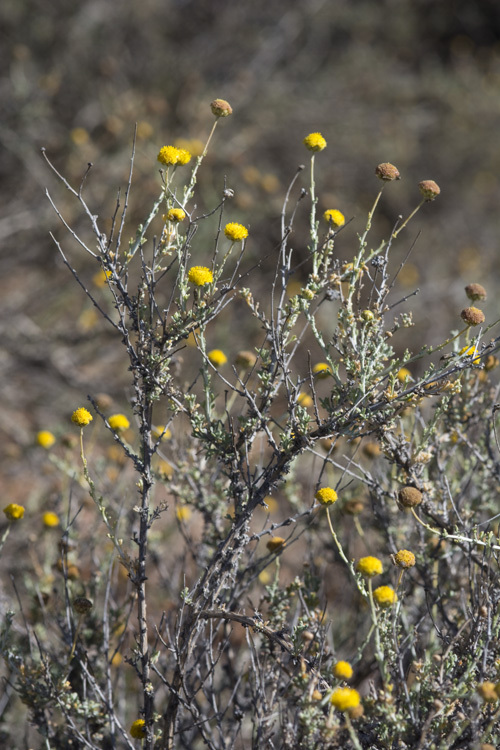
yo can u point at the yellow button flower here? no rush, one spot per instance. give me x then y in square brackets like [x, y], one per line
[345, 698]
[314, 142]
[118, 422]
[326, 496]
[175, 215]
[200, 275]
[50, 519]
[275, 544]
[404, 559]
[332, 216]
[342, 670]
[217, 357]
[235, 231]
[45, 438]
[322, 370]
[385, 596]
[138, 729]
[82, 417]
[168, 155]
[14, 512]
[369, 566]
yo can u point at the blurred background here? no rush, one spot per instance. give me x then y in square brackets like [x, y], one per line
[413, 82]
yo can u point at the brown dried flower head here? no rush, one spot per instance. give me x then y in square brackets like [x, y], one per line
[245, 359]
[429, 189]
[409, 497]
[354, 507]
[487, 691]
[475, 292]
[82, 605]
[221, 108]
[387, 172]
[473, 316]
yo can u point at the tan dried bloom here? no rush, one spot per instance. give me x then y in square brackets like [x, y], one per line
[221, 108]
[409, 497]
[429, 189]
[387, 172]
[82, 605]
[475, 292]
[487, 691]
[472, 316]
[245, 359]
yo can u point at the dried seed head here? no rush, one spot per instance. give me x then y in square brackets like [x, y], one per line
[475, 292]
[354, 507]
[245, 359]
[82, 605]
[487, 691]
[472, 316]
[387, 172]
[429, 189]
[221, 108]
[409, 497]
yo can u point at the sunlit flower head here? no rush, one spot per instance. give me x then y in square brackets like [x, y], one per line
[305, 400]
[403, 374]
[14, 512]
[344, 698]
[275, 544]
[45, 438]
[326, 496]
[183, 513]
[138, 729]
[334, 217]
[314, 142]
[404, 559]
[168, 155]
[160, 432]
[175, 215]
[50, 519]
[385, 596]
[235, 231]
[217, 357]
[82, 417]
[369, 566]
[118, 422]
[342, 670]
[183, 157]
[322, 370]
[200, 275]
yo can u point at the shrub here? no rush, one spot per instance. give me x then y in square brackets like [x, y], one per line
[179, 616]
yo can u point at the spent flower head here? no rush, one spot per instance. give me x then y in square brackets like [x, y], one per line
[404, 559]
[14, 512]
[326, 496]
[314, 142]
[221, 108]
[409, 497]
[472, 316]
[200, 275]
[82, 605]
[81, 417]
[334, 217]
[387, 172]
[475, 292]
[369, 566]
[429, 189]
[183, 157]
[235, 231]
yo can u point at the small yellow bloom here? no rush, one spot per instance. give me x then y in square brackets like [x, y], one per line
[275, 544]
[345, 698]
[385, 596]
[118, 422]
[403, 375]
[471, 351]
[168, 155]
[14, 512]
[161, 432]
[217, 357]
[235, 231]
[81, 417]
[200, 275]
[404, 559]
[342, 670]
[138, 729]
[45, 438]
[183, 513]
[332, 216]
[175, 215]
[183, 157]
[165, 470]
[100, 278]
[304, 400]
[487, 691]
[322, 370]
[314, 142]
[50, 519]
[326, 496]
[369, 566]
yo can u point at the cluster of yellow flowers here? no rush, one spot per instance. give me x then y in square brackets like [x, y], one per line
[170, 155]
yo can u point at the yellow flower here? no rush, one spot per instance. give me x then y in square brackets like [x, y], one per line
[403, 374]
[161, 432]
[385, 596]
[50, 519]
[45, 438]
[322, 370]
[332, 216]
[168, 155]
[369, 566]
[342, 670]
[175, 215]
[314, 142]
[304, 400]
[183, 513]
[345, 698]
[100, 278]
[326, 496]
[487, 691]
[471, 351]
[217, 357]
[138, 729]
[200, 275]
[235, 231]
[118, 422]
[81, 417]
[14, 512]
[183, 157]
[404, 559]
[275, 544]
